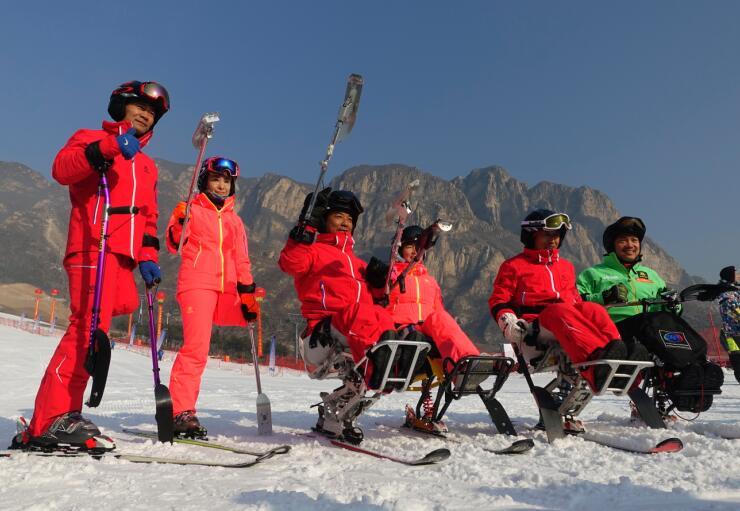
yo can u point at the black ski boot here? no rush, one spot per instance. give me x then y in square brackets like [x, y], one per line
[187, 425]
[615, 350]
[69, 432]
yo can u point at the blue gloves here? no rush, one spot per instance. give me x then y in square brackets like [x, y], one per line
[129, 144]
[150, 272]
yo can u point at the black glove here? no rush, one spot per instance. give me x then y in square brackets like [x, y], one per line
[317, 214]
[376, 273]
[249, 304]
[96, 159]
[616, 294]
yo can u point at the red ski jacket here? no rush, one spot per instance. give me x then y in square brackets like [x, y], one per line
[529, 281]
[215, 253]
[131, 182]
[422, 296]
[327, 274]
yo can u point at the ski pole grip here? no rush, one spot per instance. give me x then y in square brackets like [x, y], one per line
[123, 210]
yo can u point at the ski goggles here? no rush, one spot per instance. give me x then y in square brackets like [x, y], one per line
[149, 91]
[550, 223]
[222, 166]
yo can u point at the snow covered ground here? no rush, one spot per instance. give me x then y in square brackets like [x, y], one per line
[572, 474]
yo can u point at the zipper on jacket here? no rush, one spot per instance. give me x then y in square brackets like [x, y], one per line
[323, 293]
[552, 281]
[418, 297]
[221, 247]
[133, 201]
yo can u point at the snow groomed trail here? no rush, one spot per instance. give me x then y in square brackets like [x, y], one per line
[571, 474]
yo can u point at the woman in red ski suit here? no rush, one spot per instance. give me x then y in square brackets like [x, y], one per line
[420, 305]
[132, 178]
[214, 285]
[329, 278]
[539, 284]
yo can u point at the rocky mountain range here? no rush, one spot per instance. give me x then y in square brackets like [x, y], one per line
[485, 207]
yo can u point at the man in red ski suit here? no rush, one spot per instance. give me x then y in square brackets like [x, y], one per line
[329, 278]
[421, 304]
[539, 284]
[132, 176]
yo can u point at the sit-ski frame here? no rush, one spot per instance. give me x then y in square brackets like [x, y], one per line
[484, 365]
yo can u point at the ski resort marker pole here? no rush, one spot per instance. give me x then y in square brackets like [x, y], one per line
[345, 122]
[203, 133]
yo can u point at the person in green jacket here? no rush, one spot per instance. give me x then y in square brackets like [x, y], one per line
[620, 277]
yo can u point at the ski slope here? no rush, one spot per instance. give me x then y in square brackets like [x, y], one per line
[572, 474]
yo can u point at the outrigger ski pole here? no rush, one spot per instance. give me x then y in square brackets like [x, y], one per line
[264, 413]
[345, 122]
[97, 361]
[402, 207]
[203, 133]
[162, 397]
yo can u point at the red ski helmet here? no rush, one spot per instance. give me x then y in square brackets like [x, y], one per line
[150, 93]
[218, 165]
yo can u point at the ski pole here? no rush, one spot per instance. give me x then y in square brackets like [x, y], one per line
[203, 133]
[345, 122]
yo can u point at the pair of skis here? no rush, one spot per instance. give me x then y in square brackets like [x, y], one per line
[69, 452]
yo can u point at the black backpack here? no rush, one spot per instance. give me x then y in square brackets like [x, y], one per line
[693, 381]
[667, 336]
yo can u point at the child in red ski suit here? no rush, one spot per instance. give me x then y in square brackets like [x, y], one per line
[132, 240]
[215, 283]
[539, 284]
[421, 304]
[329, 278]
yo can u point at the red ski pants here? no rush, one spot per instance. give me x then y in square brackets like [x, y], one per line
[200, 309]
[362, 324]
[579, 328]
[447, 335]
[63, 384]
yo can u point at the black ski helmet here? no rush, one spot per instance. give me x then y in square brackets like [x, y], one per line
[727, 274]
[538, 220]
[345, 201]
[409, 236]
[150, 93]
[625, 226]
[218, 165]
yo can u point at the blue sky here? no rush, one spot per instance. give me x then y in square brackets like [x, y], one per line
[638, 99]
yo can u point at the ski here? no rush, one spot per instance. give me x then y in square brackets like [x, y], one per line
[152, 435]
[669, 445]
[518, 447]
[135, 458]
[432, 457]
